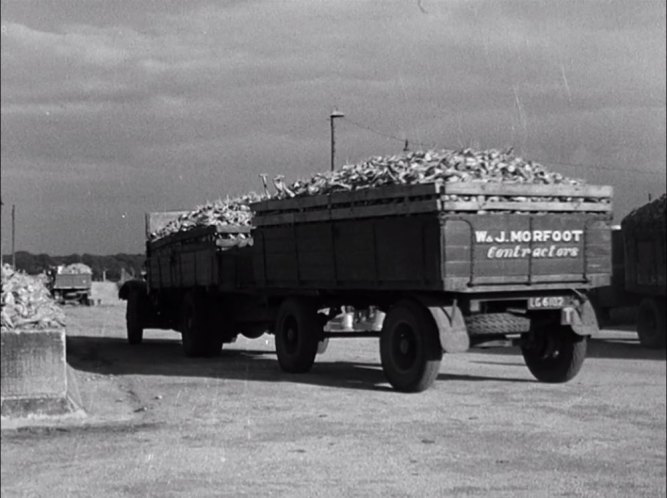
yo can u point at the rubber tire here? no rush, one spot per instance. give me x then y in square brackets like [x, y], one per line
[196, 336]
[297, 334]
[416, 369]
[651, 324]
[135, 332]
[560, 365]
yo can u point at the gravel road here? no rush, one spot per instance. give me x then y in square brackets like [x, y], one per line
[160, 424]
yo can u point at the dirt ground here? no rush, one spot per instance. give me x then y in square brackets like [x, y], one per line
[159, 424]
[105, 293]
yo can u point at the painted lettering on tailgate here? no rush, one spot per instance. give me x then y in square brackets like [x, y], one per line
[516, 244]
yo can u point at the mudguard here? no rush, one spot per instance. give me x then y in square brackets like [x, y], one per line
[451, 326]
[582, 319]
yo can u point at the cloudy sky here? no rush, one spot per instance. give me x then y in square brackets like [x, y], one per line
[111, 109]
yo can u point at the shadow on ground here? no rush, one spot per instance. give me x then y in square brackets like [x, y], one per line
[619, 348]
[113, 356]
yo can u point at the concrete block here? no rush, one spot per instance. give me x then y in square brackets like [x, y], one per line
[33, 372]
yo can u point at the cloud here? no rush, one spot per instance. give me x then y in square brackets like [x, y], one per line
[172, 103]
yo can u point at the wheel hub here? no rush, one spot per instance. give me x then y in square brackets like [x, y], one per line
[404, 346]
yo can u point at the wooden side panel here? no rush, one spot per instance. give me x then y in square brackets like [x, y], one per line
[599, 251]
[355, 251]
[390, 253]
[279, 255]
[525, 249]
[183, 267]
[315, 252]
[408, 250]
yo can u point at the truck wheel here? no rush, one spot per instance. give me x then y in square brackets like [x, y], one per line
[651, 324]
[410, 348]
[298, 332]
[556, 355]
[196, 335]
[135, 332]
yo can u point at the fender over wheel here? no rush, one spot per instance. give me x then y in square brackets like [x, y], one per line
[554, 355]
[410, 347]
[297, 334]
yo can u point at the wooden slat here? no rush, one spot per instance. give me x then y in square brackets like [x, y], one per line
[427, 206]
[348, 213]
[197, 232]
[458, 284]
[228, 243]
[526, 189]
[342, 197]
[355, 204]
[551, 207]
[420, 190]
[523, 279]
[290, 204]
[382, 193]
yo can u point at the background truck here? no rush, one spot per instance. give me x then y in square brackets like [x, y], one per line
[638, 272]
[451, 266]
[71, 284]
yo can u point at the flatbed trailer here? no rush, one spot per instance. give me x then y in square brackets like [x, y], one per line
[452, 266]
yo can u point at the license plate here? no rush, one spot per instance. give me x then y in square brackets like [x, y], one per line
[547, 302]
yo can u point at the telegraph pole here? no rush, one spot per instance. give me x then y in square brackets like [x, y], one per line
[335, 114]
[1, 204]
[13, 236]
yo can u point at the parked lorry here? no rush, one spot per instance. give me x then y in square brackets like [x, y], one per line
[71, 284]
[448, 273]
[639, 272]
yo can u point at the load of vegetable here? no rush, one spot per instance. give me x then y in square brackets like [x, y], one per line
[27, 303]
[75, 268]
[410, 168]
[426, 167]
[233, 212]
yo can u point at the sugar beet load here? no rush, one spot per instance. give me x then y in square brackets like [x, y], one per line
[412, 236]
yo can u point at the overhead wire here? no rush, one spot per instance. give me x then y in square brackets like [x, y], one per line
[387, 135]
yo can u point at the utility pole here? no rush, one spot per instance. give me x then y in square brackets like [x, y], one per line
[1, 204]
[335, 114]
[13, 236]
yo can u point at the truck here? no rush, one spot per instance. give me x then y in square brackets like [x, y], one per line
[451, 266]
[71, 284]
[639, 272]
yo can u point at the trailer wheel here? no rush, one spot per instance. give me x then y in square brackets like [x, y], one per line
[410, 348]
[135, 331]
[651, 324]
[554, 355]
[196, 335]
[298, 332]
